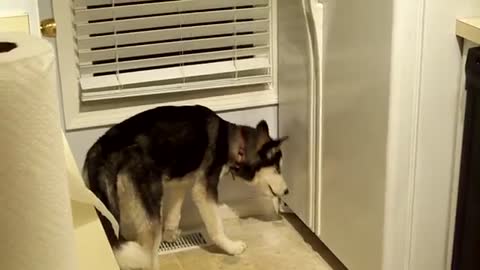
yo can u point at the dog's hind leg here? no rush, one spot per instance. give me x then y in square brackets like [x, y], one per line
[140, 211]
[150, 238]
[174, 196]
[157, 239]
[207, 205]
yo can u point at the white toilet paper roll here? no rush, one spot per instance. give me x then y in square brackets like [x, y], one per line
[36, 170]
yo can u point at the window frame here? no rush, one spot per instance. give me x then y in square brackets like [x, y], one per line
[75, 118]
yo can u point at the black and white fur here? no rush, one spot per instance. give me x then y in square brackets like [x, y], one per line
[167, 151]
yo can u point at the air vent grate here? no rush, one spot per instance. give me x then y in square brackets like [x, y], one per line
[185, 242]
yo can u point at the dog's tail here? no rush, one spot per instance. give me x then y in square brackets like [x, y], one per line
[129, 254]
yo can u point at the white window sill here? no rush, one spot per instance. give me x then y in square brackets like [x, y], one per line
[109, 117]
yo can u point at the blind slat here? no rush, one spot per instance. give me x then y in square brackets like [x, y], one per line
[88, 83]
[173, 33]
[132, 24]
[174, 88]
[170, 60]
[84, 3]
[141, 47]
[172, 47]
[147, 9]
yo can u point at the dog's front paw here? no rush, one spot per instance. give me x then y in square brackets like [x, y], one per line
[235, 247]
[171, 235]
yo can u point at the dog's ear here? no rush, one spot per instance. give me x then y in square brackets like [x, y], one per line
[262, 127]
[282, 139]
[272, 147]
[263, 135]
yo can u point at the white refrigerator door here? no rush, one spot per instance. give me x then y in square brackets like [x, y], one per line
[297, 106]
[355, 109]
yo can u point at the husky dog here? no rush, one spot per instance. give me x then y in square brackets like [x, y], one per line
[168, 150]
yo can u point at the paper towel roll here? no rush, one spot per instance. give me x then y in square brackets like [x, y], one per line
[78, 190]
[38, 176]
[36, 225]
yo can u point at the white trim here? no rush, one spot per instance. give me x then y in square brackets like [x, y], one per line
[217, 103]
[67, 66]
[274, 48]
[437, 138]
[406, 62]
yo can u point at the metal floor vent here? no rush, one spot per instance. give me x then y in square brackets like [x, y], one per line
[185, 242]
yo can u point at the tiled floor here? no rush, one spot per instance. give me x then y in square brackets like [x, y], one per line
[274, 245]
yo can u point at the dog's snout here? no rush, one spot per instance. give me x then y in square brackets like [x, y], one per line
[286, 192]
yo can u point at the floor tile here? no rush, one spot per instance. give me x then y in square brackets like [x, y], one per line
[170, 262]
[200, 259]
[284, 244]
[286, 259]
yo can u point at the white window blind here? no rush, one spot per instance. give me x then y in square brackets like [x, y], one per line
[129, 48]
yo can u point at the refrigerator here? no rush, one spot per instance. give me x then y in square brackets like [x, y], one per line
[333, 82]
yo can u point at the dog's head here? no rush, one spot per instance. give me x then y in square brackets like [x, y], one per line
[260, 160]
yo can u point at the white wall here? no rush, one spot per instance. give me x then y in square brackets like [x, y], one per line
[436, 153]
[425, 113]
[81, 140]
[28, 6]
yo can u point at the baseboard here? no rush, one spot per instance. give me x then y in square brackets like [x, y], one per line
[284, 209]
[266, 208]
[256, 206]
